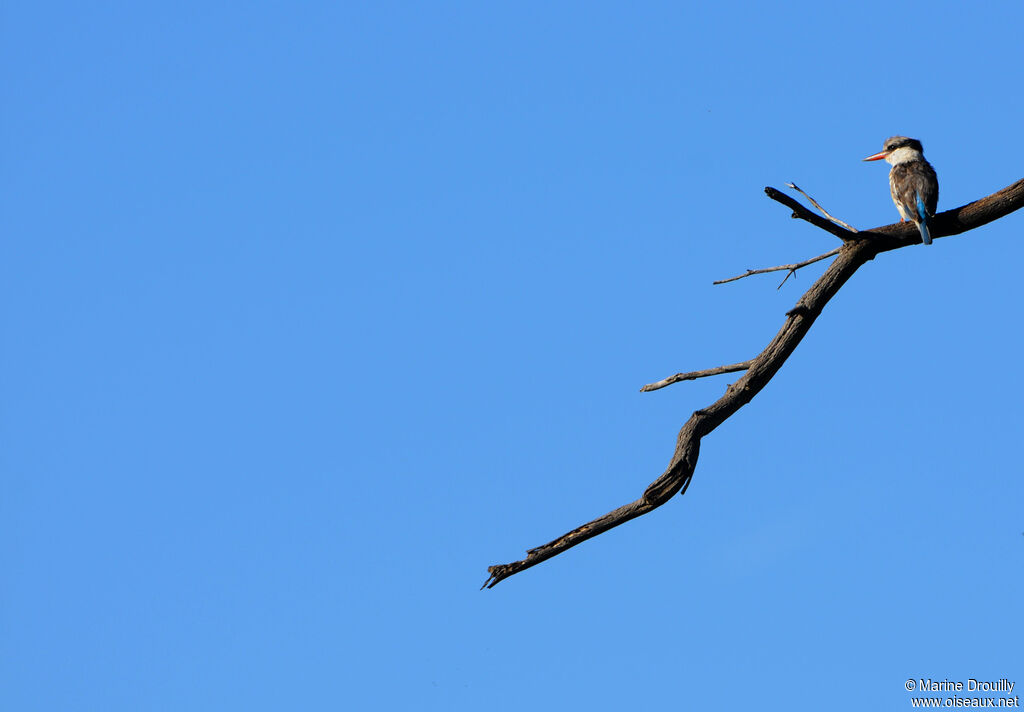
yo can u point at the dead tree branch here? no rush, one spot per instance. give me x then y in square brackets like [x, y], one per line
[694, 375]
[858, 248]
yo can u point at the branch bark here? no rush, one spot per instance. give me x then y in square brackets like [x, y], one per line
[858, 248]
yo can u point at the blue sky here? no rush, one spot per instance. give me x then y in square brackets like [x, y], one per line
[312, 311]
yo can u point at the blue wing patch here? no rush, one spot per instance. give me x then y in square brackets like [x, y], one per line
[922, 223]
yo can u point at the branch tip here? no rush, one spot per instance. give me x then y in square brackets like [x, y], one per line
[822, 210]
[799, 211]
[792, 268]
[694, 375]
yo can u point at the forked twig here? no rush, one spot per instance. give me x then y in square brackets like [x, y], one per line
[824, 212]
[803, 213]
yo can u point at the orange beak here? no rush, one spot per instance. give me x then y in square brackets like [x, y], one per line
[878, 156]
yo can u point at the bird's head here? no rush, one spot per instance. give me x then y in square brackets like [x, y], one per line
[899, 149]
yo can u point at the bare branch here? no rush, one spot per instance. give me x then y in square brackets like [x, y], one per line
[694, 375]
[858, 249]
[799, 211]
[792, 268]
[822, 210]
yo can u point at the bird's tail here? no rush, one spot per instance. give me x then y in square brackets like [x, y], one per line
[922, 222]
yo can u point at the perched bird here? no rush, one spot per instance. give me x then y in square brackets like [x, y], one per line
[912, 181]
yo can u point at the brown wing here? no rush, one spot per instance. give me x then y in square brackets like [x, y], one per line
[909, 180]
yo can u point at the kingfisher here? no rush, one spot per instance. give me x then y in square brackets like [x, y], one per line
[912, 181]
